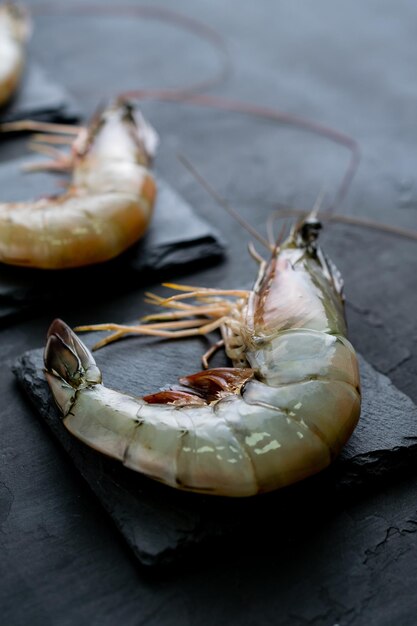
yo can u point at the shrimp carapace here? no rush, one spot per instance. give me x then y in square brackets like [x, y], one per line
[108, 204]
[280, 414]
[14, 32]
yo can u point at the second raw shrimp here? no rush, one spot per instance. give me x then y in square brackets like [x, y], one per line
[107, 206]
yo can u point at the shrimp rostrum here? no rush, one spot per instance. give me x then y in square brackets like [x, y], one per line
[280, 414]
[109, 201]
[14, 31]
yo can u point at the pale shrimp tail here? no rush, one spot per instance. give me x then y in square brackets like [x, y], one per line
[69, 365]
[170, 443]
[224, 431]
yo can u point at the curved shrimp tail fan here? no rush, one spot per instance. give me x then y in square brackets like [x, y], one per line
[69, 365]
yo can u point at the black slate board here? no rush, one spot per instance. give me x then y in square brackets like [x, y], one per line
[40, 98]
[176, 239]
[160, 523]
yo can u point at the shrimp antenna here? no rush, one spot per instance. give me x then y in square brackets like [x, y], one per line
[284, 211]
[170, 16]
[280, 238]
[312, 215]
[223, 203]
[274, 115]
[318, 204]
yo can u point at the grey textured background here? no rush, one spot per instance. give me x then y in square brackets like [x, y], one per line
[351, 66]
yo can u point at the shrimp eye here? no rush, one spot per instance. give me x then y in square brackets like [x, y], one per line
[310, 230]
[129, 112]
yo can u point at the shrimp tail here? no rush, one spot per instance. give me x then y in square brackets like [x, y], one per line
[69, 365]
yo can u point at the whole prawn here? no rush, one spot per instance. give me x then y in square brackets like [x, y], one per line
[14, 31]
[107, 206]
[280, 414]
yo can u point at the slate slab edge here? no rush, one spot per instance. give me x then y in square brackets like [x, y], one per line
[181, 528]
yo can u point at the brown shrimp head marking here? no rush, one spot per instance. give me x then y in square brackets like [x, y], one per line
[281, 414]
[299, 288]
[107, 206]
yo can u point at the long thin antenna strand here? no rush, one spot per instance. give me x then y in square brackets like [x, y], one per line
[222, 202]
[188, 94]
[34, 125]
[235, 106]
[318, 203]
[286, 211]
[180, 20]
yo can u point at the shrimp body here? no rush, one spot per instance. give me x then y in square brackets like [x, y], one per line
[106, 208]
[14, 31]
[282, 413]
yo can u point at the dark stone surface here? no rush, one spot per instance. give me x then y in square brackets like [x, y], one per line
[176, 240]
[160, 523]
[40, 98]
[349, 65]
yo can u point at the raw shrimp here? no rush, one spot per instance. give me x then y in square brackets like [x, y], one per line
[280, 414]
[107, 206]
[14, 31]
